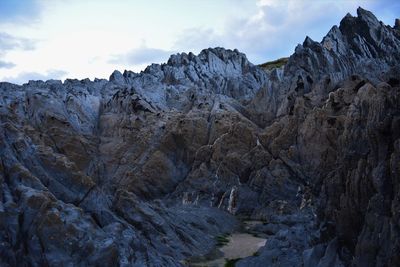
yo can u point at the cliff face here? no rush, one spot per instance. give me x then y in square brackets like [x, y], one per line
[89, 169]
[360, 45]
[147, 168]
[337, 122]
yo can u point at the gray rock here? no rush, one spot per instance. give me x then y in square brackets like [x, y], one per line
[141, 170]
[360, 45]
[312, 256]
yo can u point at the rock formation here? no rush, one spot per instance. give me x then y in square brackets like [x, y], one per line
[142, 169]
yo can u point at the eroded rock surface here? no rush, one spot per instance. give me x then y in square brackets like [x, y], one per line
[146, 169]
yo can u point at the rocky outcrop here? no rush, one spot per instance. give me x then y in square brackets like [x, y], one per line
[146, 169]
[187, 80]
[89, 169]
[345, 150]
[340, 133]
[361, 45]
[360, 194]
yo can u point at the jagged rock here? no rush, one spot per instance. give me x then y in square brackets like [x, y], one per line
[312, 256]
[360, 45]
[142, 170]
[397, 24]
[117, 77]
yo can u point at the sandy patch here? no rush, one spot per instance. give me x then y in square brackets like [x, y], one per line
[240, 245]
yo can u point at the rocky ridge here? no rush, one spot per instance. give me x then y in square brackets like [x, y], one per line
[146, 169]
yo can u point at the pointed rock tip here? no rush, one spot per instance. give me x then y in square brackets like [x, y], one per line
[308, 41]
[116, 76]
[346, 19]
[365, 14]
[397, 24]
[334, 30]
[220, 50]
[348, 15]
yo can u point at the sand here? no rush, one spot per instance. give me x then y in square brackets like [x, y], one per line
[240, 245]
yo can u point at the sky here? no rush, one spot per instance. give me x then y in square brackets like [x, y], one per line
[58, 39]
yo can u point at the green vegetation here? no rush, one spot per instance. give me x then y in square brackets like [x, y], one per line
[274, 64]
[231, 263]
[222, 240]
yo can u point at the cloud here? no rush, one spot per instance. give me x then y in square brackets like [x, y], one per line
[9, 42]
[196, 39]
[24, 77]
[6, 65]
[19, 11]
[141, 55]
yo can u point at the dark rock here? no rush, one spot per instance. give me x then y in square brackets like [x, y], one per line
[397, 24]
[144, 169]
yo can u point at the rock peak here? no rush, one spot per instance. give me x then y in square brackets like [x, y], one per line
[116, 76]
[205, 55]
[366, 15]
[308, 41]
[397, 24]
[348, 15]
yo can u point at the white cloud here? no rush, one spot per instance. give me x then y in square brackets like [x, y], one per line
[9, 42]
[6, 65]
[24, 77]
[141, 55]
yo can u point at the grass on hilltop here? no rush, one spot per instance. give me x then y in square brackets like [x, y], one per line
[274, 64]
